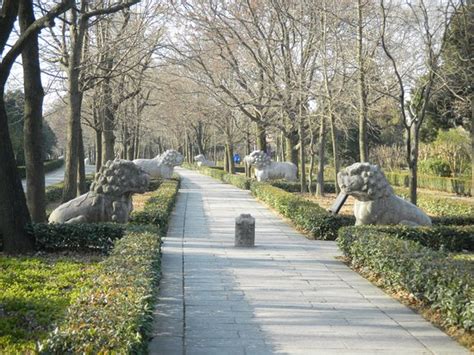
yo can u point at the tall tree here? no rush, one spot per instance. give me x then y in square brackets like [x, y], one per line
[33, 117]
[14, 213]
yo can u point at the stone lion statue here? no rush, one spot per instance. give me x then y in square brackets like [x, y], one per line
[161, 166]
[202, 161]
[266, 169]
[376, 202]
[109, 198]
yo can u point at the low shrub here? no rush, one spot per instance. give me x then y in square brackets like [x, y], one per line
[49, 165]
[114, 315]
[444, 284]
[307, 215]
[448, 238]
[293, 186]
[458, 186]
[79, 237]
[440, 206]
[54, 192]
[239, 181]
[159, 206]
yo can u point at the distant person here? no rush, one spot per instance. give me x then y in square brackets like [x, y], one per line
[237, 158]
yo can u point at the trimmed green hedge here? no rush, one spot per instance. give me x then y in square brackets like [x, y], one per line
[431, 276]
[453, 185]
[448, 238]
[80, 237]
[158, 207]
[329, 186]
[49, 165]
[115, 314]
[305, 214]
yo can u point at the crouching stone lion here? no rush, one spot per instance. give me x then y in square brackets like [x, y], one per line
[202, 161]
[376, 202]
[265, 169]
[161, 166]
[109, 198]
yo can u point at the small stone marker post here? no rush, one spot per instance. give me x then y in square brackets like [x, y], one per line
[245, 231]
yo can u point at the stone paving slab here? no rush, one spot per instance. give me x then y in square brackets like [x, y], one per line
[288, 295]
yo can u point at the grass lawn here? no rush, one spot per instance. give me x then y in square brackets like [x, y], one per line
[35, 293]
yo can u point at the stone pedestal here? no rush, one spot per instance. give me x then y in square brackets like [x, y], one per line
[245, 231]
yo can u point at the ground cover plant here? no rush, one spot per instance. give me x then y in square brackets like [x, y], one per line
[35, 294]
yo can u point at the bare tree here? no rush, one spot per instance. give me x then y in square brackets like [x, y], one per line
[430, 24]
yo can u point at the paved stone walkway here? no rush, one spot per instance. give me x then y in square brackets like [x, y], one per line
[287, 295]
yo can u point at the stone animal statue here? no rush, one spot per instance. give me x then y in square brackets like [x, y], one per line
[161, 166]
[202, 161]
[109, 198]
[266, 169]
[376, 202]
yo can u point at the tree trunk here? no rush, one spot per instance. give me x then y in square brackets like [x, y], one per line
[261, 137]
[363, 143]
[81, 169]
[334, 149]
[472, 145]
[226, 159]
[311, 162]
[13, 210]
[322, 144]
[33, 117]
[98, 149]
[77, 33]
[291, 153]
[108, 136]
[301, 132]
[413, 165]
[230, 157]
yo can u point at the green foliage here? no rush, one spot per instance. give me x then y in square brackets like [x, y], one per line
[239, 181]
[434, 166]
[159, 206]
[79, 237]
[35, 293]
[448, 238]
[305, 214]
[114, 314]
[444, 284]
[290, 186]
[14, 106]
[452, 185]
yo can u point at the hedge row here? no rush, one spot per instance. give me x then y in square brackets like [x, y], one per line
[453, 185]
[114, 315]
[289, 186]
[444, 284]
[54, 192]
[49, 165]
[80, 237]
[447, 238]
[441, 206]
[305, 214]
[158, 207]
